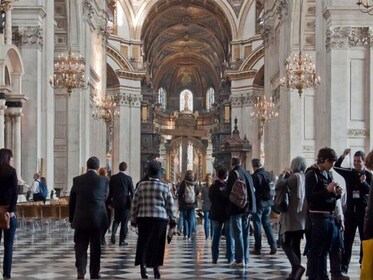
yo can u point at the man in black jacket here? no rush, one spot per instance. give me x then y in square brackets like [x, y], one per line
[240, 217]
[264, 202]
[88, 216]
[120, 197]
[358, 181]
[321, 194]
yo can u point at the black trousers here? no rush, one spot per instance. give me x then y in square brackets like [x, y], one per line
[151, 241]
[291, 247]
[121, 216]
[82, 239]
[352, 222]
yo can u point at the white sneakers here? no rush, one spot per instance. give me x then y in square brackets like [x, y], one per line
[237, 264]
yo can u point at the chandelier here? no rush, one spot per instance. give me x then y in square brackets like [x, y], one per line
[105, 108]
[366, 6]
[68, 72]
[263, 111]
[300, 71]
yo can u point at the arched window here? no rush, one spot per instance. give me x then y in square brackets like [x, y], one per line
[210, 98]
[186, 100]
[162, 98]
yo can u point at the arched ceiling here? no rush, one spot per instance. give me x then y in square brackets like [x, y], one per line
[186, 35]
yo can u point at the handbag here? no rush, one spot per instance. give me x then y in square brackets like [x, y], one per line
[367, 262]
[4, 217]
[282, 198]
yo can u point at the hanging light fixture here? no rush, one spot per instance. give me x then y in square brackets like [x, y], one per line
[300, 71]
[263, 111]
[68, 72]
[366, 6]
[105, 108]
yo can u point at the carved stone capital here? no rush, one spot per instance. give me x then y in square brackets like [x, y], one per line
[357, 133]
[6, 5]
[282, 9]
[29, 37]
[129, 99]
[241, 100]
[88, 9]
[308, 149]
[347, 37]
[266, 31]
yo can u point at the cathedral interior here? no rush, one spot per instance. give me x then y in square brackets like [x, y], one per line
[191, 83]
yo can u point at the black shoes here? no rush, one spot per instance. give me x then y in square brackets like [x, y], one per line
[298, 272]
[157, 274]
[255, 252]
[80, 276]
[273, 251]
[123, 243]
[144, 273]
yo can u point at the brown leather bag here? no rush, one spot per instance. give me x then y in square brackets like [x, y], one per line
[4, 217]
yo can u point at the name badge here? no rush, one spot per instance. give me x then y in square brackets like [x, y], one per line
[355, 194]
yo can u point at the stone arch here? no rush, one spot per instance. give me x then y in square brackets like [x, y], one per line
[121, 62]
[252, 60]
[13, 65]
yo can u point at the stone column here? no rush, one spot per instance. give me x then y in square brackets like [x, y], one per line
[127, 131]
[17, 151]
[8, 131]
[2, 122]
[8, 24]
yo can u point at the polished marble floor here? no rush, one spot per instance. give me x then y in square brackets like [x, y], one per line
[47, 253]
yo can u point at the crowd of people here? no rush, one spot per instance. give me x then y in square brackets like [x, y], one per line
[317, 208]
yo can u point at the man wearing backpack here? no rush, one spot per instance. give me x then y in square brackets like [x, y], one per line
[38, 190]
[187, 197]
[264, 194]
[240, 216]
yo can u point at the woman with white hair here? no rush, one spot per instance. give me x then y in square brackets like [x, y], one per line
[293, 221]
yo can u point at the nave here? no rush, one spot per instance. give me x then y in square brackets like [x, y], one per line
[49, 254]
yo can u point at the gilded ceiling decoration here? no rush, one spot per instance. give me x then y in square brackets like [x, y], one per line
[186, 44]
[236, 5]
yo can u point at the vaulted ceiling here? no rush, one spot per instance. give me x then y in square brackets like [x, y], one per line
[186, 44]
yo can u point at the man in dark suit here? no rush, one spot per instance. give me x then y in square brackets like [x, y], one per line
[120, 196]
[88, 216]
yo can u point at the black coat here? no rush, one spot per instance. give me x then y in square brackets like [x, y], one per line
[258, 178]
[9, 189]
[219, 201]
[87, 209]
[352, 178]
[244, 175]
[120, 191]
[368, 225]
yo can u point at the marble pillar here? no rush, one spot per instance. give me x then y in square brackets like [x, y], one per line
[2, 123]
[127, 131]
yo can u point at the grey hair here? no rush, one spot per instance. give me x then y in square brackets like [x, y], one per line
[298, 164]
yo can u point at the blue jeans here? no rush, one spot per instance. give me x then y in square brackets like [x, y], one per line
[189, 216]
[180, 223]
[240, 230]
[217, 227]
[8, 247]
[322, 230]
[261, 217]
[207, 224]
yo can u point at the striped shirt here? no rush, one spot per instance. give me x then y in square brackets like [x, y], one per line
[153, 199]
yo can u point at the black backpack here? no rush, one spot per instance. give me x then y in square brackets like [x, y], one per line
[267, 188]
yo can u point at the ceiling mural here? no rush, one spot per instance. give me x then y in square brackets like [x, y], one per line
[236, 5]
[186, 43]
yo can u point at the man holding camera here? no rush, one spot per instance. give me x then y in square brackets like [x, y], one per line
[321, 193]
[358, 181]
